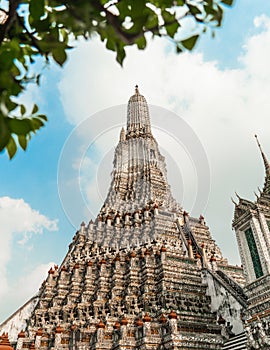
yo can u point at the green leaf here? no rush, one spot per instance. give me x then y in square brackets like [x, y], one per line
[190, 42]
[6, 79]
[209, 10]
[11, 105]
[110, 44]
[123, 9]
[36, 124]
[6, 58]
[23, 109]
[15, 71]
[19, 126]
[42, 26]
[138, 24]
[22, 141]
[209, 3]
[15, 47]
[218, 16]
[64, 35]
[38, 79]
[59, 55]
[141, 43]
[36, 8]
[121, 54]
[168, 16]
[194, 9]
[4, 133]
[152, 22]
[45, 46]
[35, 109]
[137, 8]
[227, 2]
[11, 147]
[172, 29]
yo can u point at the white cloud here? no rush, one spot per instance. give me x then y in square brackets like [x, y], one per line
[257, 49]
[225, 107]
[18, 223]
[31, 282]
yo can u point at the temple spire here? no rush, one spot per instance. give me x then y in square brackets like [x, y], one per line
[138, 119]
[266, 189]
[265, 161]
[139, 175]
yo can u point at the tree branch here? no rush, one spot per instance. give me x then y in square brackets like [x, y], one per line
[128, 38]
[4, 28]
[33, 39]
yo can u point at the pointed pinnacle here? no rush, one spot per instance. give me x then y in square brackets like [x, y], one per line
[237, 195]
[233, 201]
[122, 135]
[137, 89]
[256, 195]
[265, 161]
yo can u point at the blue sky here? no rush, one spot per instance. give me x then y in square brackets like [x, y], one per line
[220, 90]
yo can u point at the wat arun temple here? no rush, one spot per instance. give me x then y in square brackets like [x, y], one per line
[146, 275]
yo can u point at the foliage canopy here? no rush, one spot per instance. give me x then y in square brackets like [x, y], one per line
[44, 28]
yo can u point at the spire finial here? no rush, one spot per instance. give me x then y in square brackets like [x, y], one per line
[137, 89]
[237, 195]
[266, 188]
[122, 135]
[258, 143]
[233, 201]
[266, 163]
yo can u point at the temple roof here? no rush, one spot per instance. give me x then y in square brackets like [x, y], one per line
[263, 198]
[242, 207]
